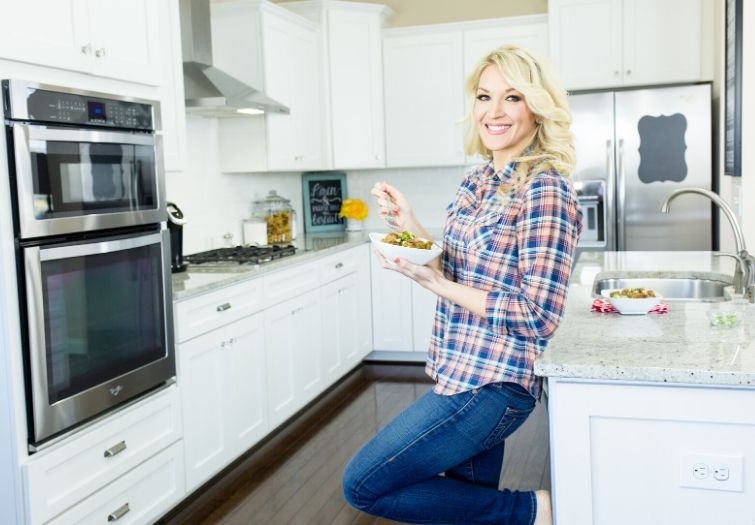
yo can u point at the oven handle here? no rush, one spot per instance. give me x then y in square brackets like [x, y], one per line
[44, 133]
[94, 248]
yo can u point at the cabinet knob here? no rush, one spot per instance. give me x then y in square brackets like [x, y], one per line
[629, 71]
[616, 73]
[99, 53]
[115, 449]
[119, 512]
[223, 307]
[339, 265]
[378, 156]
[86, 49]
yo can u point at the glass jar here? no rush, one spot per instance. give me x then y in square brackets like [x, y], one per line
[278, 214]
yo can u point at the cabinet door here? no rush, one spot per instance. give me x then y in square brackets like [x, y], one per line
[247, 384]
[662, 41]
[307, 329]
[172, 106]
[424, 99]
[280, 362]
[391, 309]
[46, 32]
[306, 111]
[356, 90]
[202, 379]
[364, 308]
[585, 42]
[291, 56]
[332, 365]
[423, 315]
[348, 321]
[124, 38]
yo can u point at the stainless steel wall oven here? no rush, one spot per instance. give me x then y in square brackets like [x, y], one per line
[92, 249]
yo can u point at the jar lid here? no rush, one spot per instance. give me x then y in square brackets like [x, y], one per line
[274, 199]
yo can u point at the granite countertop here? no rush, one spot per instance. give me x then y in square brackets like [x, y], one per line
[199, 279]
[677, 347]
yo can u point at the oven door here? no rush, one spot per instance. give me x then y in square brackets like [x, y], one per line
[71, 180]
[99, 318]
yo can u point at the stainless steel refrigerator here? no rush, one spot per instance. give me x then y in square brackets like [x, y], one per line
[634, 147]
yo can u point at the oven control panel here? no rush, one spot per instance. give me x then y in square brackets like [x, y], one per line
[48, 105]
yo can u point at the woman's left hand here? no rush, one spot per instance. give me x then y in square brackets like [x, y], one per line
[426, 276]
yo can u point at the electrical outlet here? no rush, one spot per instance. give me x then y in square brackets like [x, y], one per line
[708, 471]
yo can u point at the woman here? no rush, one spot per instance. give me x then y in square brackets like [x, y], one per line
[508, 245]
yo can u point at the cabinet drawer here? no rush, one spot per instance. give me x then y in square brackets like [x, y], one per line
[62, 476]
[289, 283]
[201, 314]
[141, 496]
[340, 264]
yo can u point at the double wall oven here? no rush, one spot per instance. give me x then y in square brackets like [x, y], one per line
[92, 251]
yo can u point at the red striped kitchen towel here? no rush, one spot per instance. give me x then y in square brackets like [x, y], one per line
[601, 305]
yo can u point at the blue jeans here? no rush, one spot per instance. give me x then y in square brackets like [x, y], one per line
[397, 474]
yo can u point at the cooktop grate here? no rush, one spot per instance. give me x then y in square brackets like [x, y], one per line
[241, 254]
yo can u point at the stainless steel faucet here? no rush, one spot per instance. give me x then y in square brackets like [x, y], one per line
[744, 270]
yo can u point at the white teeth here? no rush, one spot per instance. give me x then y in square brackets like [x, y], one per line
[498, 127]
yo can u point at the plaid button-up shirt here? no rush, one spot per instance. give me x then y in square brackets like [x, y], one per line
[519, 248]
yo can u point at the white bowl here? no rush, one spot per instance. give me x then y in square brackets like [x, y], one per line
[413, 255]
[629, 306]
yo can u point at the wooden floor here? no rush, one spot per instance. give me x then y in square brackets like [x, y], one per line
[295, 478]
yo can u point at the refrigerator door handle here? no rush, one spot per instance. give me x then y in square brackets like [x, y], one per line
[609, 214]
[621, 199]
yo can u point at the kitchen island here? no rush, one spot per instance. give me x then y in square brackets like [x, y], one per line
[652, 417]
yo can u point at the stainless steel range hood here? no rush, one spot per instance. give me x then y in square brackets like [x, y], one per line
[208, 90]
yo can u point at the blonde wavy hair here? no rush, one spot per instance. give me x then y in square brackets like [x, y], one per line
[552, 146]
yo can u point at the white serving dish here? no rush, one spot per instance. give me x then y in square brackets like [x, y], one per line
[628, 306]
[413, 255]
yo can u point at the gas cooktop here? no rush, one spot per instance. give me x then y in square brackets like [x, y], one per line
[241, 255]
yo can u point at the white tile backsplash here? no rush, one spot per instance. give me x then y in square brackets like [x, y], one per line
[215, 203]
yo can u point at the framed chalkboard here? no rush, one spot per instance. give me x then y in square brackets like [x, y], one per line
[323, 193]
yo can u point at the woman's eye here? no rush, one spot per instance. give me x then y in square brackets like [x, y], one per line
[483, 98]
[513, 98]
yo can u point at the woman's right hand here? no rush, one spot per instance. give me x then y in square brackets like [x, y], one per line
[393, 207]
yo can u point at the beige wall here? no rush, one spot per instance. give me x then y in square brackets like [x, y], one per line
[420, 12]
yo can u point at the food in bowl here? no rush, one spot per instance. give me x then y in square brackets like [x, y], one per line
[413, 254]
[631, 293]
[723, 317]
[408, 240]
[631, 301]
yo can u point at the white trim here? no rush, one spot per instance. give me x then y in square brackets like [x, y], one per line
[509, 21]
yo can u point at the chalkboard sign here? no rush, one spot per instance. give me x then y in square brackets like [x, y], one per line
[323, 193]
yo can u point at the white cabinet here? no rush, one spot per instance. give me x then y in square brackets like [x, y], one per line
[402, 312]
[293, 354]
[271, 48]
[608, 439]
[340, 309]
[608, 43]
[172, 106]
[109, 38]
[355, 70]
[223, 384]
[424, 99]
[424, 73]
[65, 474]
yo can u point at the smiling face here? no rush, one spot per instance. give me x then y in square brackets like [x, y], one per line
[504, 121]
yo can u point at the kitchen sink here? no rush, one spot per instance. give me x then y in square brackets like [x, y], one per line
[670, 288]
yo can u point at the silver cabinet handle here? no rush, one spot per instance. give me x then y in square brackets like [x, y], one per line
[119, 512]
[223, 307]
[339, 265]
[86, 49]
[616, 73]
[297, 310]
[99, 53]
[629, 71]
[115, 449]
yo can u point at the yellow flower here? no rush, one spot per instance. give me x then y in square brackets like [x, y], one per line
[353, 209]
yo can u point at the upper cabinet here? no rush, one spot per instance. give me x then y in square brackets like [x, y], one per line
[273, 49]
[609, 43]
[108, 38]
[424, 73]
